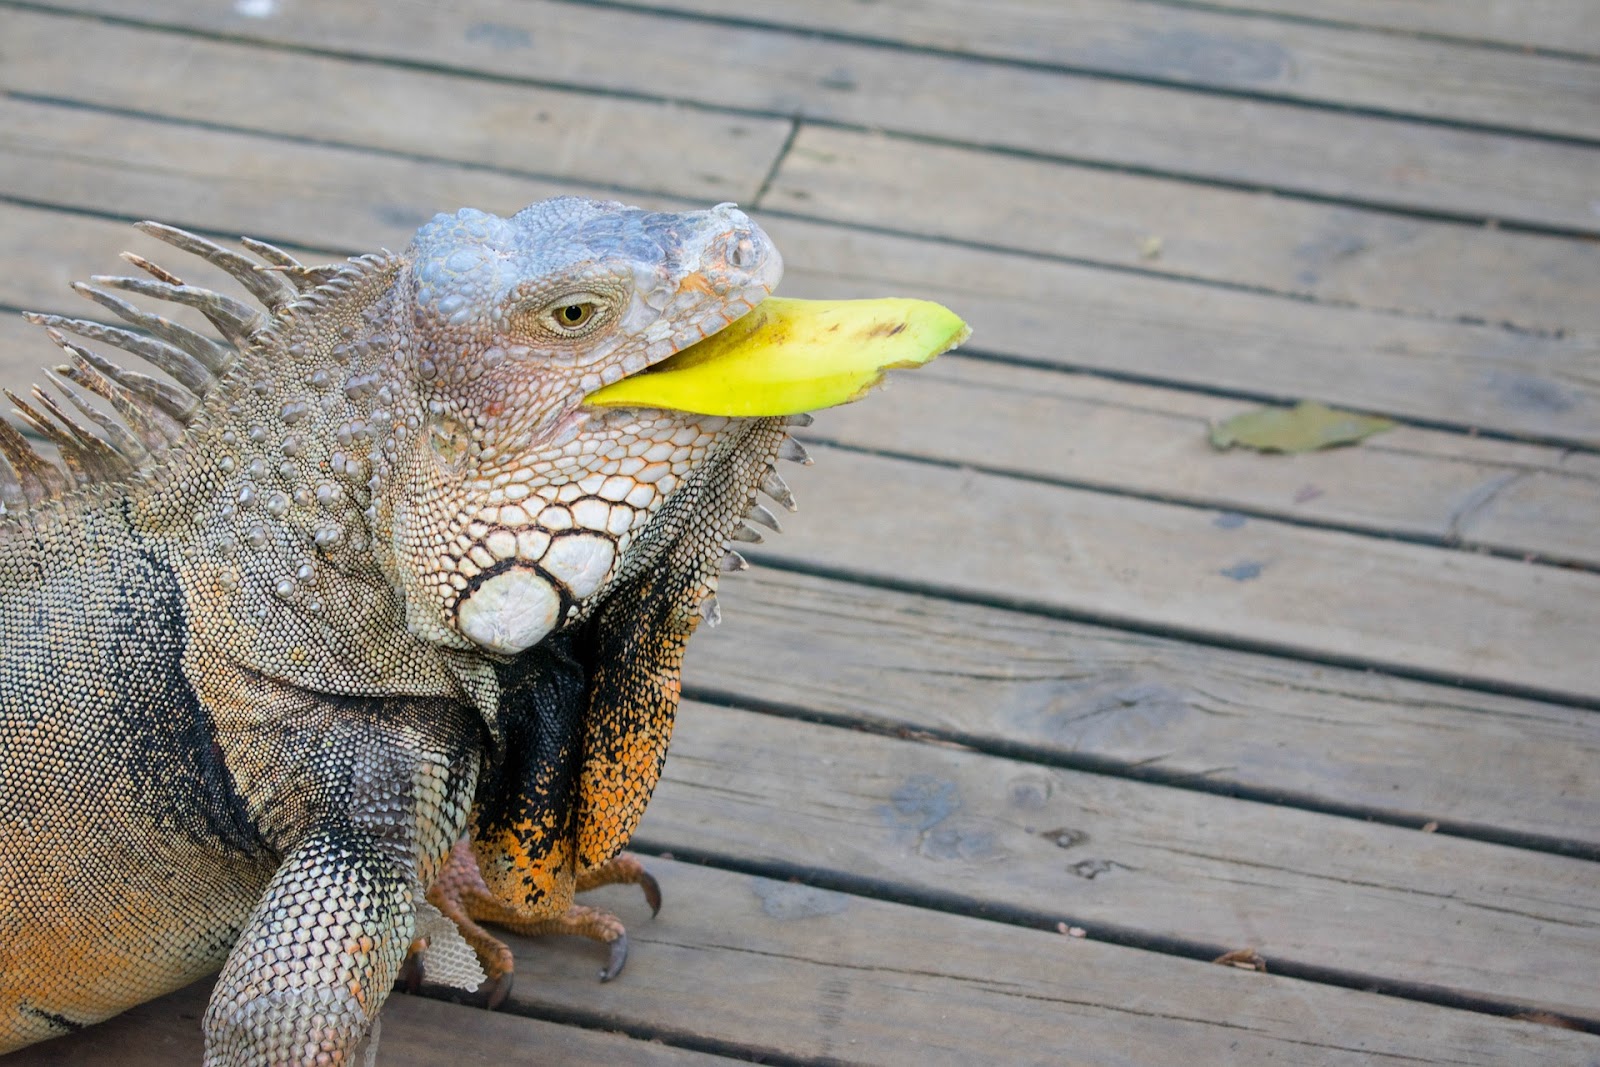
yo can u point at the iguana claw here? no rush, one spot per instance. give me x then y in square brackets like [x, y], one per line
[618, 958]
[652, 891]
[460, 893]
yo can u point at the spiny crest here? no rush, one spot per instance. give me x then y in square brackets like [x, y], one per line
[152, 414]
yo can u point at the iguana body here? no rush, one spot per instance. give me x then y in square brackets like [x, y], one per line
[368, 579]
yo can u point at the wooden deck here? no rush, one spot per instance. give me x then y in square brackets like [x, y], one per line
[1040, 704]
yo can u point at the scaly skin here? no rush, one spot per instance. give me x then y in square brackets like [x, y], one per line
[369, 579]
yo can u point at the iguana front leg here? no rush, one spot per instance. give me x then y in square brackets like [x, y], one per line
[317, 958]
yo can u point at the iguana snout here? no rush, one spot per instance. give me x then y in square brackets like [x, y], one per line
[515, 504]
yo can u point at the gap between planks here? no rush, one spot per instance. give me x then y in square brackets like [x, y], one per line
[1335, 900]
[1229, 53]
[1082, 697]
[1161, 330]
[1408, 165]
[470, 119]
[1559, 27]
[822, 976]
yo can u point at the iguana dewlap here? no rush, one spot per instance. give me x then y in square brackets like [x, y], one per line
[365, 578]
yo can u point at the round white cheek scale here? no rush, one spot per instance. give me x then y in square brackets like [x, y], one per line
[510, 612]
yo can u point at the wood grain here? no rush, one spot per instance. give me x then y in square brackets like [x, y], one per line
[1132, 438]
[544, 134]
[1129, 860]
[1558, 25]
[1237, 52]
[1094, 697]
[1407, 165]
[825, 977]
[415, 1032]
[341, 200]
[1161, 225]
[1321, 594]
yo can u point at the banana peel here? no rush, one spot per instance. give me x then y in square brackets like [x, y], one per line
[791, 356]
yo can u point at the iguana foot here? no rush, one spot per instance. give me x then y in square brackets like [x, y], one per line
[460, 893]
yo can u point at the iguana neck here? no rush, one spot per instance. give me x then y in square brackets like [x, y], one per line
[265, 506]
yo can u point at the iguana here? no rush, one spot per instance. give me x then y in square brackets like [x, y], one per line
[369, 613]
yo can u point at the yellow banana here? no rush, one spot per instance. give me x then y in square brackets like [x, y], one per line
[789, 356]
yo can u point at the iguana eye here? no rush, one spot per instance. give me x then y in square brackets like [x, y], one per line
[575, 315]
[543, 316]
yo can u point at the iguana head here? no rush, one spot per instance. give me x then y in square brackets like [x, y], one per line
[412, 445]
[504, 505]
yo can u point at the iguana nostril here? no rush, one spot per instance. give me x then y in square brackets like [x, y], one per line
[742, 252]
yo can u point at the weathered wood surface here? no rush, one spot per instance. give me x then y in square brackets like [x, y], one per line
[1322, 594]
[1035, 589]
[415, 1032]
[1570, 26]
[537, 133]
[1441, 372]
[1250, 239]
[1382, 905]
[323, 196]
[1087, 431]
[1402, 164]
[1102, 699]
[846, 979]
[1286, 59]
[1076, 317]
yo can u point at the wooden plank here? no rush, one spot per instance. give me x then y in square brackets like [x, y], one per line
[1061, 314]
[523, 129]
[415, 1032]
[1556, 25]
[1322, 594]
[1132, 861]
[1132, 704]
[812, 976]
[1230, 51]
[1401, 164]
[1121, 436]
[308, 194]
[1459, 374]
[1541, 498]
[1328, 252]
